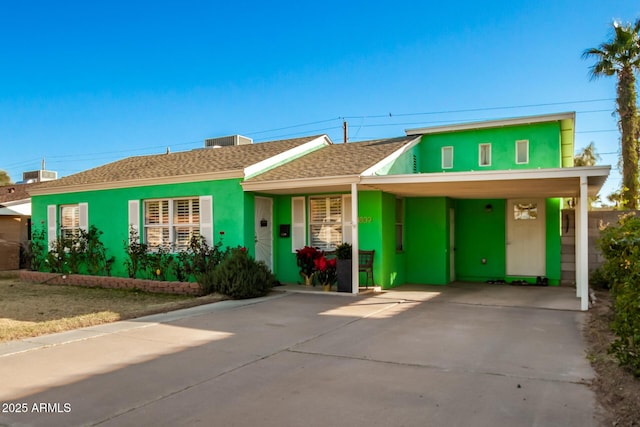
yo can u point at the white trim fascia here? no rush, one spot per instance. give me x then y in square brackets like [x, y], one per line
[499, 175]
[23, 209]
[526, 120]
[15, 202]
[75, 188]
[286, 156]
[390, 158]
[302, 183]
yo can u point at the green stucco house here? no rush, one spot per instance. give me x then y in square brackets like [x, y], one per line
[468, 202]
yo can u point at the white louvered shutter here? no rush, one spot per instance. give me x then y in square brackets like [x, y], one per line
[298, 223]
[51, 225]
[346, 219]
[83, 216]
[134, 217]
[206, 218]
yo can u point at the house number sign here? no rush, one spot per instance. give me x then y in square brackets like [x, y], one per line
[364, 219]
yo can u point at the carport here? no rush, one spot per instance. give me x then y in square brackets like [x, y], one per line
[578, 183]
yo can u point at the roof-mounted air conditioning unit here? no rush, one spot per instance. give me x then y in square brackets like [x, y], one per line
[225, 141]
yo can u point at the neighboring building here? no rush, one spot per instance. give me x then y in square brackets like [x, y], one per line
[15, 224]
[473, 202]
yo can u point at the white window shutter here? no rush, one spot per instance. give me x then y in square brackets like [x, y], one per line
[83, 216]
[299, 223]
[134, 216]
[346, 219]
[52, 229]
[206, 218]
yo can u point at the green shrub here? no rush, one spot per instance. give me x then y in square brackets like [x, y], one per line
[198, 258]
[620, 245]
[137, 254]
[238, 276]
[599, 279]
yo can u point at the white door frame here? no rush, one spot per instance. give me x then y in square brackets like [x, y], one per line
[269, 238]
[526, 239]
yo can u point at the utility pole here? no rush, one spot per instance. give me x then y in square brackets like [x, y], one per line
[345, 129]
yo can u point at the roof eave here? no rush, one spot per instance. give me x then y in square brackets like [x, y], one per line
[111, 185]
[302, 183]
[526, 120]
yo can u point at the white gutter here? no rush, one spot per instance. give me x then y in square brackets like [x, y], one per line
[328, 181]
[493, 123]
[499, 175]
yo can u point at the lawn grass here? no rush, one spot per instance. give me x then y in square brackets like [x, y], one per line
[29, 310]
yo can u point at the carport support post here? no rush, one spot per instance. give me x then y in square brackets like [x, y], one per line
[355, 275]
[582, 246]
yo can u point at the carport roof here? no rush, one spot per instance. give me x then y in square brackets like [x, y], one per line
[541, 183]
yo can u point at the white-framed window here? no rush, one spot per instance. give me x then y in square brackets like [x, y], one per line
[325, 222]
[170, 223]
[69, 221]
[447, 157]
[522, 152]
[399, 225]
[484, 154]
[66, 221]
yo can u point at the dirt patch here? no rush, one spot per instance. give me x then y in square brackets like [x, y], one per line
[617, 390]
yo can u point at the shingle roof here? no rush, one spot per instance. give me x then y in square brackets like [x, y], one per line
[13, 192]
[336, 160]
[206, 160]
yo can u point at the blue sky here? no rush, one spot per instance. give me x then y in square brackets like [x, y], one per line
[87, 83]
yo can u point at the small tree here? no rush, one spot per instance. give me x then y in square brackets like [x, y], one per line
[5, 179]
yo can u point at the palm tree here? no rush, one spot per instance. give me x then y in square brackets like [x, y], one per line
[621, 56]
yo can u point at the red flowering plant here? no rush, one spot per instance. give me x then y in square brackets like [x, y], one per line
[326, 270]
[305, 259]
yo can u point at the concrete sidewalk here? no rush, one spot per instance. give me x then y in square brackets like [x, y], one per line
[296, 359]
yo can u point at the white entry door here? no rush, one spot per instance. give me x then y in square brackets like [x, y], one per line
[526, 237]
[264, 230]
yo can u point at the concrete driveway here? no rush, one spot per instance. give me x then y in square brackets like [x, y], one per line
[401, 358]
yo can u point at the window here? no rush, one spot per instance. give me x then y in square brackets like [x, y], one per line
[399, 225]
[525, 211]
[325, 222]
[484, 155]
[522, 152]
[69, 221]
[447, 157]
[171, 223]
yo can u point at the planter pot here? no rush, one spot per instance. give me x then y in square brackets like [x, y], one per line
[343, 271]
[307, 280]
[326, 288]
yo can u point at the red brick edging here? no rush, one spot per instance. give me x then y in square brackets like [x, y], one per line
[185, 288]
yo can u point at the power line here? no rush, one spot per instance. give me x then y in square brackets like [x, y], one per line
[481, 109]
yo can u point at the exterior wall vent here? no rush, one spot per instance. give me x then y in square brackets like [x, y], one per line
[226, 141]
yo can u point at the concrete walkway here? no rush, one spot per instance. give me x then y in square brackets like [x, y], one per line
[405, 358]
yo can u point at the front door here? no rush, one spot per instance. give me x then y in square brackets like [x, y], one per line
[264, 230]
[526, 241]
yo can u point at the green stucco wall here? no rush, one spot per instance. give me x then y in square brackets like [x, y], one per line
[480, 234]
[554, 234]
[544, 148]
[427, 240]
[108, 211]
